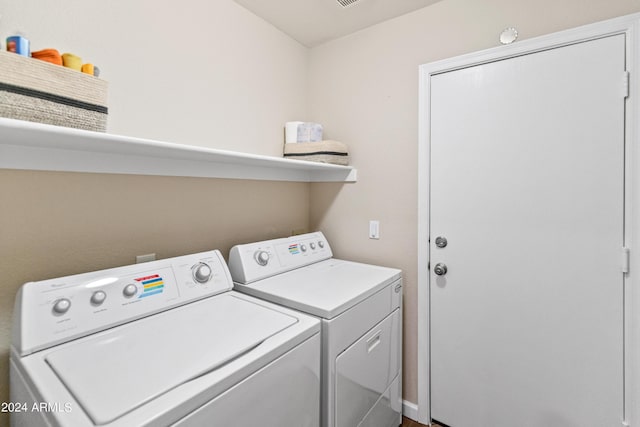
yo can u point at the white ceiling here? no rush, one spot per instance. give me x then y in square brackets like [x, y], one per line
[312, 22]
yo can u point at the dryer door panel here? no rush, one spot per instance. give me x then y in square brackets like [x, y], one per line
[365, 370]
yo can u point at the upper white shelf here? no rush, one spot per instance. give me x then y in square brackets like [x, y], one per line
[35, 146]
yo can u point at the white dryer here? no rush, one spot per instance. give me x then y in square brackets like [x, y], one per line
[360, 307]
[165, 343]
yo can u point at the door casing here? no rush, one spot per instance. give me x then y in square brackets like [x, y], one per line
[629, 26]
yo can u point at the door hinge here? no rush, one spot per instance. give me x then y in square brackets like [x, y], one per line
[625, 260]
[625, 84]
[626, 424]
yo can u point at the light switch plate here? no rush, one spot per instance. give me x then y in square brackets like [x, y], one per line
[374, 229]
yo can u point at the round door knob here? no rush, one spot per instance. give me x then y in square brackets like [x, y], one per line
[440, 269]
[98, 297]
[201, 272]
[130, 290]
[262, 257]
[61, 306]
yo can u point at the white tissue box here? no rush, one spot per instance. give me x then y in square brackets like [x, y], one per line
[302, 132]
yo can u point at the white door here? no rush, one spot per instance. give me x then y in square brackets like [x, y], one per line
[527, 174]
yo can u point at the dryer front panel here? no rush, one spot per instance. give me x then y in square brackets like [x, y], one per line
[365, 370]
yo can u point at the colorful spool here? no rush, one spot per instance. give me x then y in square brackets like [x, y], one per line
[88, 69]
[19, 45]
[48, 55]
[72, 61]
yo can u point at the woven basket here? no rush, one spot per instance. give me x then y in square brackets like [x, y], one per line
[38, 91]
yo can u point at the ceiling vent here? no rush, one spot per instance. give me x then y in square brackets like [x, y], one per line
[345, 3]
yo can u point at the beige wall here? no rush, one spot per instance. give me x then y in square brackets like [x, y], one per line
[364, 90]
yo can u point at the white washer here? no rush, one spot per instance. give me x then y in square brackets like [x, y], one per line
[360, 307]
[157, 344]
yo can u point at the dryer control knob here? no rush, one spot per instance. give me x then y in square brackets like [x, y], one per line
[61, 306]
[98, 297]
[321, 244]
[262, 257]
[313, 246]
[130, 290]
[201, 272]
[303, 248]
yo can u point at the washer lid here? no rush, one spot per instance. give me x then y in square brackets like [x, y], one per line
[119, 370]
[324, 289]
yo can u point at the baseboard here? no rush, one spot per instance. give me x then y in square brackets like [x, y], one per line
[410, 410]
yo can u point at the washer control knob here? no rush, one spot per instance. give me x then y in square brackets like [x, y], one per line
[262, 257]
[201, 272]
[313, 245]
[98, 297]
[61, 306]
[303, 248]
[130, 290]
[321, 244]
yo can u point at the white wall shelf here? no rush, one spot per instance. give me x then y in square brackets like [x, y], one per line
[35, 146]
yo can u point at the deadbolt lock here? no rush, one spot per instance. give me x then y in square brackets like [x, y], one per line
[441, 242]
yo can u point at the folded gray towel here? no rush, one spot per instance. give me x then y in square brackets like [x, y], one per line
[328, 151]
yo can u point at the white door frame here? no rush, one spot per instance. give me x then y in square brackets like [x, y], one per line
[628, 25]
